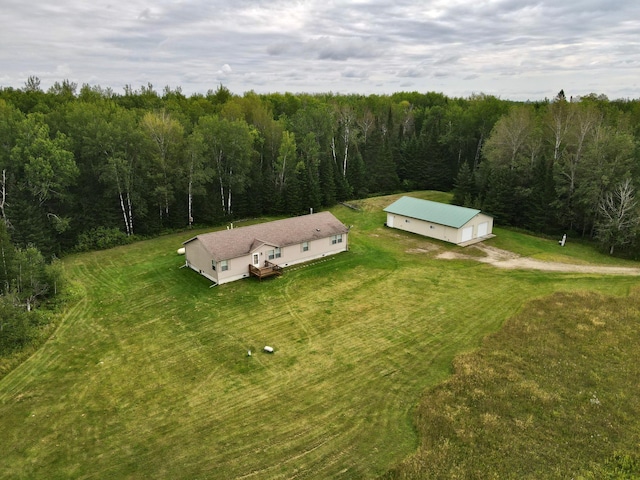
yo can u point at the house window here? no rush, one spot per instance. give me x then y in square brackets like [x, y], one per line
[336, 239]
[276, 253]
[224, 265]
[305, 246]
[213, 265]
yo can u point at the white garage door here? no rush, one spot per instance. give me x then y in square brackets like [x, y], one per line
[467, 234]
[482, 229]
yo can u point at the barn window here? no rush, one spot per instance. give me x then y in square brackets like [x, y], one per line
[305, 246]
[407, 220]
[224, 265]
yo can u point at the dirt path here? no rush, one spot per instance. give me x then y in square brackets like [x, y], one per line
[505, 259]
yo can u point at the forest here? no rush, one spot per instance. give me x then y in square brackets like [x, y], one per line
[87, 168]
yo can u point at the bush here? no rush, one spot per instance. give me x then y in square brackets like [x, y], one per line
[101, 238]
[15, 328]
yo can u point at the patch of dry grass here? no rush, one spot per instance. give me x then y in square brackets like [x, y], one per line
[553, 394]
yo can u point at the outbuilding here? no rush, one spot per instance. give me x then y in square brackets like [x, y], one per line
[264, 249]
[450, 223]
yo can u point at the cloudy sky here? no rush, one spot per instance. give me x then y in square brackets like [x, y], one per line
[514, 49]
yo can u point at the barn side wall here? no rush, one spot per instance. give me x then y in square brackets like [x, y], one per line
[438, 231]
[427, 229]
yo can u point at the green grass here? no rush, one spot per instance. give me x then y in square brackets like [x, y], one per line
[148, 374]
[575, 251]
[553, 394]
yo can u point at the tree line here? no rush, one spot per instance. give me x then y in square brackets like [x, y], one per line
[563, 166]
[84, 168]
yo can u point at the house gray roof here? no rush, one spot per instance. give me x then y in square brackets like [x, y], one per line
[434, 212]
[238, 242]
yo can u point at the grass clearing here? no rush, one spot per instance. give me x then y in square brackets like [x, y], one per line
[148, 373]
[553, 394]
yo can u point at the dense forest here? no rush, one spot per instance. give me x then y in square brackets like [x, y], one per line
[85, 168]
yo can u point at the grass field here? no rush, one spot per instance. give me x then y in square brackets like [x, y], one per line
[148, 374]
[552, 394]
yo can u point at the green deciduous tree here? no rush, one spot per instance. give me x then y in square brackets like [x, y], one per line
[166, 137]
[510, 140]
[15, 328]
[32, 280]
[228, 147]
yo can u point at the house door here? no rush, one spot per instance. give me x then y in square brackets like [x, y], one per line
[256, 260]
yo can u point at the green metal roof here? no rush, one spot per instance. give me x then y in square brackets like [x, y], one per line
[434, 212]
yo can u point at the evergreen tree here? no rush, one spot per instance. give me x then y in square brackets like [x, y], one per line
[293, 196]
[500, 197]
[382, 173]
[463, 191]
[540, 208]
[356, 176]
[408, 163]
[327, 182]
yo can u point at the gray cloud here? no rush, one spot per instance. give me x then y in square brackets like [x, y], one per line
[517, 49]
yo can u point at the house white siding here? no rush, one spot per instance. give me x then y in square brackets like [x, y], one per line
[315, 237]
[199, 259]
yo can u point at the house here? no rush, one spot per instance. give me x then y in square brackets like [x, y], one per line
[450, 223]
[263, 249]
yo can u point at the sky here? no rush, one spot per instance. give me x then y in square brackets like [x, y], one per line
[513, 49]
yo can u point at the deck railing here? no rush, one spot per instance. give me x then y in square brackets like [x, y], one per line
[269, 270]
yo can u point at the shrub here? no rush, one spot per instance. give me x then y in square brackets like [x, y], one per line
[101, 238]
[15, 328]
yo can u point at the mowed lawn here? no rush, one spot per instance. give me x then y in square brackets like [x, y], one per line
[148, 375]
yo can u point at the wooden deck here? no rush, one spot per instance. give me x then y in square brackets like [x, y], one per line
[269, 270]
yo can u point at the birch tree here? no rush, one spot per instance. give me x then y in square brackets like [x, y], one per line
[227, 146]
[559, 123]
[32, 282]
[10, 119]
[107, 144]
[166, 136]
[347, 124]
[7, 254]
[286, 160]
[620, 218]
[198, 172]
